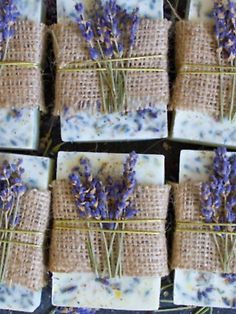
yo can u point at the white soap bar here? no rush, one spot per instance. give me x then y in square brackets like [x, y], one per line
[126, 293]
[147, 8]
[38, 174]
[195, 287]
[19, 129]
[137, 125]
[189, 126]
[200, 9]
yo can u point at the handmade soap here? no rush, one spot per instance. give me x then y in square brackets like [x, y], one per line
[82, 126]
[84, 289]
[195, 287]
[200, 126]
[19, 129]
[37, 175]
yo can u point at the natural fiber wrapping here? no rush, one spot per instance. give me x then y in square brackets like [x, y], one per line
[25, 264]
[21, 86]
[144, 255]
[196, 45]
[81, 90]
[195, 251]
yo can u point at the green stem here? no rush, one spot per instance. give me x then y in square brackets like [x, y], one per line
[226, 254]
[231, 111]
[119, 258]
[106, 252]
[174, 309]
[218, 249]
[92, 251]
[15, 211]
[221, 90]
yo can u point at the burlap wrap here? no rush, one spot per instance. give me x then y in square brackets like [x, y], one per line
[144, 255]
[81, 90]
[21, 86]
[195, 251]
[196, 44]
[25, 265]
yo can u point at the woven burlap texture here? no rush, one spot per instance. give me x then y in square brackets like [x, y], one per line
[20, 86]
[144, 255]
[81, 90]
[196, 44]
[195, 251]
[25, 264]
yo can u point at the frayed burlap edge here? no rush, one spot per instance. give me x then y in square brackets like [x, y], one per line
[144, 255]
[21, 86]
[195, 251]
[26, 265]
[81, 90]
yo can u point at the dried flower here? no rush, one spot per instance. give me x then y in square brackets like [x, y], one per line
[109, 34]
[218, 202]
[8, 16]
[108, 200]
[63, 310]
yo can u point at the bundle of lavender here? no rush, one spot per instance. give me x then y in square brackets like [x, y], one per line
[111, 72]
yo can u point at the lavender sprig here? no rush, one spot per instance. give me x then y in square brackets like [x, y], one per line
[218, 202]
[8, 16]
[225, 31]
[12, 188]
[109, 34]
[63, 310]
[108, 200]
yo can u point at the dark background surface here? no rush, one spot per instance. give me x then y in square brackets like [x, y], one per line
[51, 143]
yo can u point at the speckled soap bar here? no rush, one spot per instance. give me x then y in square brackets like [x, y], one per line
[189, 126]
[37, 175]
[126, 293]
[137, 125]
[19, 129]
[194, 287]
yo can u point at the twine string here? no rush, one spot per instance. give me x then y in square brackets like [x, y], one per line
[188, 226]
[80, 66]
[25, 232]
[22, 64]
[188, 68]
[60, 224]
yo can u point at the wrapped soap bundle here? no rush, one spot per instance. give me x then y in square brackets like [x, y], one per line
[108, 245]
[205, 237]
[112, 80]
[21, 53]
[204, 92]
[25, 205]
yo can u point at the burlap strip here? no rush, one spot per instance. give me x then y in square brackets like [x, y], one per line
[25, 264]
[196, 45]
[81, 90]
[144, 255]
[195, 251]
[21, 86]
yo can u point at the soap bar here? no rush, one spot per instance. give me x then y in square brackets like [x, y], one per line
[197, 127]
[19, 129]
[83, 289]
[136, 125]
[38, 173]
[195, 287]
[148, 8]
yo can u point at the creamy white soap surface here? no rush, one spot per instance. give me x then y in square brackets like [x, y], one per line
[38, 172]
[193, 287]
[126, 293]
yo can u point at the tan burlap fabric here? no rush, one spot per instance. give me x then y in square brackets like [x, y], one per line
[81, 90]
[22, 86]
[25, 265]
[194, 250]
[196, 44]
[144, 255]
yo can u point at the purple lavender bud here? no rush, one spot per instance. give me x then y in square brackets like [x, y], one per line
[79, 7]
[94, 54]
